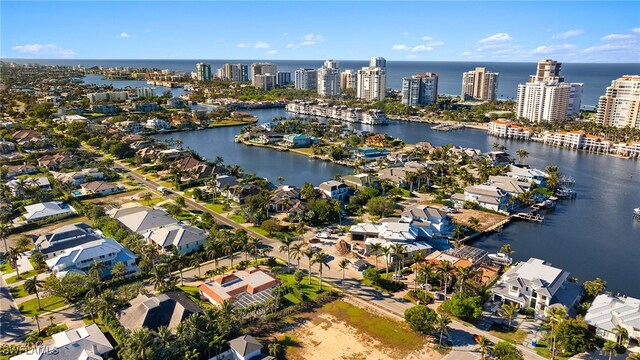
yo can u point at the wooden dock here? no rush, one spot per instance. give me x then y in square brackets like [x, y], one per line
[529, 217]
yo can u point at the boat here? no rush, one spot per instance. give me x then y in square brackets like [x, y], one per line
[500, 259]
[636, 213]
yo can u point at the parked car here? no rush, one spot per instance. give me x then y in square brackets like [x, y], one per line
[398, 277]
[322, 235]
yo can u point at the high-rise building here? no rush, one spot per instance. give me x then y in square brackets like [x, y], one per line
[261, 69]
[284, 78]
[203, 72]
[372, 83]
[306, 79]
[235, 72]
[546, 97]
[378, 62]
[548, 70]
[348, 79]
[264, 82]
[620, 104]
[420, 90]
[329, 79]
[479, 84]
[146, 92]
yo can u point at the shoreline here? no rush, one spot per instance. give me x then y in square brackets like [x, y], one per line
[243, 123]
[296, 151]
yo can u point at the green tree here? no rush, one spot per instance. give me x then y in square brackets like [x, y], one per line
[321, 258]
[179, 261]
[485, 346]
[505, 351]
[12, 255]
[31, 286]
[508, 311]
[343, 266]
[381, 206]
[609, 348]
[181, 201]
[37, 259]
[298, 276]
[308, 192]
[594, 288]
[522, 154]
[442, 325]
[286, 247]
[506, 249]
[118, 270]
[421, 318]
[573, 336]
[270, 226]
[468, 308]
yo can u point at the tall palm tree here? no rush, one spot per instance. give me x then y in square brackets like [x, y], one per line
[555, 315]
[229, 247]
[444, 270]
[310, 253]
[31, 286]
[375, 249]
[506, 249]
[522, 154]
[138, 345]
[621, 334]
[4, 233]
[36, 318]
[386, 254]
[254, 245]
[97, 270]
[321, 258]
[508, 311]
[196, 262]
[399, 251]
[12, 255]
[179, 261]
[212, 251]
[297, 251]
[442, 325]
[343, 266]
[464, 274]
[609, 348]
[286, 247]
[485, 346]
[164, 339]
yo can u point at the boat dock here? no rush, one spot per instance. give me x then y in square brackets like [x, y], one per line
[530, 216]
[448, 127]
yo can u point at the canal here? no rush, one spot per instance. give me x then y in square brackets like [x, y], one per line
[591, 236]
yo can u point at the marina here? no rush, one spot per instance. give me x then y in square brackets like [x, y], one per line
[447, 127]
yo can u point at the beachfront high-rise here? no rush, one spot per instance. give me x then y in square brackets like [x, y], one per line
[372, 80]
[348, 79]
[262, 69]
[203, 72]
[546, 97]
[329, 79]
[235, 72]
[620, 105]
[264, 81]
[479, 84]
[306, 79]
[420, 90]
[283, 78]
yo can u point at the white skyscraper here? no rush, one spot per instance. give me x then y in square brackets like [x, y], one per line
[329, 79]
[479, 84]
[546, 97]
[203, 72]
[261, 69]
[378, 62]
[620, 105]
[372, 80]
[306, 79]
[420, 90]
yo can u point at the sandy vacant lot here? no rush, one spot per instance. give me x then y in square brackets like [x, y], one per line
[326, 334]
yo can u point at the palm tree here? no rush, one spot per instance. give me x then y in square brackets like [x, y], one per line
[90, 306]
[97, 270]
[458, 232]
[138, 345]
[506, 249]
[621, 334]
[343, 265]
[375, 249]
[386, 254]
[212, 251]
[196, 262]
[507, 311]
[444, 270]
[254, 245]
[4, 233]
[464, 274]
[442, 324]
[229, 247]
[609, 348]
[12, 255]
[554, 316]
[274, 349]
[36, 318]
[485, 346]
[321, 258]
[522, 154]
[31, 286]
[399, 250]
[164, 338]
[310, 253]
[286, 247]
[297, 251]
[179, 261]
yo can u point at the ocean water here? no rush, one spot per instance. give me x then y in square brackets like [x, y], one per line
[596, 77]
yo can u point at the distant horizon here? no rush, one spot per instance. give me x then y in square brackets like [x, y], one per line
[336, 59]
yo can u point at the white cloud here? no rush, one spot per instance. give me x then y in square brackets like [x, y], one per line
[400, 47]
[610, 47]
[467, 53]
[421, 48]
[258, 45]
[549, 49]
[568, 34]
[617, 37]
[499, 37]
[636, 30]
[313, 37]
[292, 46]
[45, 49]
[124, 35]
[427, 38]
[272, 52]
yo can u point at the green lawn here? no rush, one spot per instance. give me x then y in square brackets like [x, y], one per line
[151, 202]
[389, 333]
[7, 268]
[191, 292]
[304, 150]
[237, 218]
[18, 292]
[258, 230]
[23, 276]
[219, 208]
[542, 349]
[305, 291]
[516, 337]
[29, 308]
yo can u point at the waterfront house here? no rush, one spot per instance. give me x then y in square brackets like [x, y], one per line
[245, 347]
[296, 140]
[487, 196]
[84, 343]
[81, 257]
[53, 243]
[489, 273]
[242, 288]
[628, 149]
[224, 181]
[100, 188]
[157, 124]
[146, 107]
[175, 103]
[537, 285]
[56, 161]
[608, 311]
[46, 210]
[369, 154]
[184, 238]
[172, 154]
[129, 126]
[511, 186]
[286, 198]
[525, 174]
[239, 192]
[507, 129]
[334, 190]
[499, 158]
[360, 180]
[426, 215]
[151, 311]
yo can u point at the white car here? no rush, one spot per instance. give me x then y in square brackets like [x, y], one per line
[322, 235]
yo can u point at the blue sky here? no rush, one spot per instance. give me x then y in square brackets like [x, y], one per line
[438, 31]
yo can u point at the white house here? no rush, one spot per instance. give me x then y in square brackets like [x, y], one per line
[46, 210]
[427, 216]
[487, 196]
[334, 190]
[80, 258]
[100, 188]
[157, 124]
[608, 311]
[538, 285]
[245, 348]
[184, 238]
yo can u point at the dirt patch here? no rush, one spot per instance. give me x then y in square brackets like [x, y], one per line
[33, 234]
[462, 217]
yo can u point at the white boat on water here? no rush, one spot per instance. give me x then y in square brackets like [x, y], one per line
[501, 259]
[636, 213]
